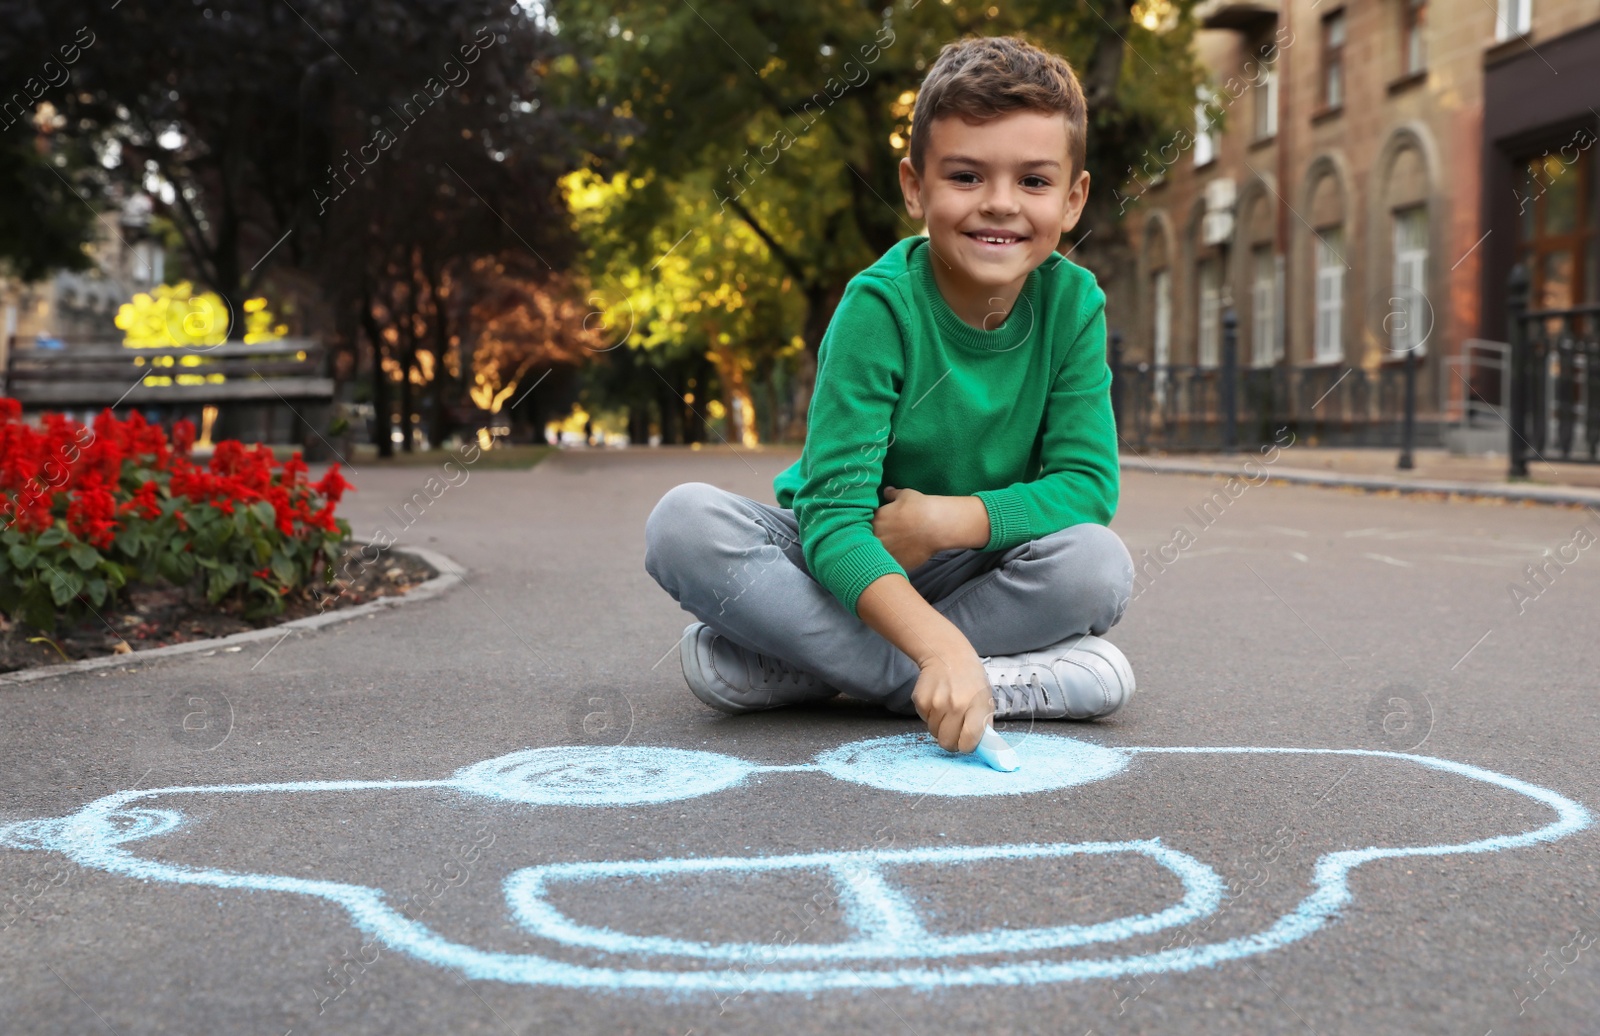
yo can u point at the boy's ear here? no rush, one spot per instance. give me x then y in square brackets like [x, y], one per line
[911, 187]
[1077, 197]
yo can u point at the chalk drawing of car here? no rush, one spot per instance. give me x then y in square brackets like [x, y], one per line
[891, 945]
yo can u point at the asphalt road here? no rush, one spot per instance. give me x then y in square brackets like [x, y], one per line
[1440, 878]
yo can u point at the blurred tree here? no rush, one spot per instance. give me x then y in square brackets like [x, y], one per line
[377, 150]
[46, 216]
[529, 326]
[733, 92]
[713, 307]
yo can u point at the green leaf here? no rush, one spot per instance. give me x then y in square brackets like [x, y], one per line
[241, 522]
[264, 512]
[285, 570]
[230, 572]
[84, 556]
[22, 555]
[217, 586]
[169, 568]
[97, 591]
[60, 589]
[52, 537]
[37, 609]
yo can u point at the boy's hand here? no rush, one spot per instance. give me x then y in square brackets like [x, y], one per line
[952, 693]
[914, 526]
[955, 700]
[908, 526]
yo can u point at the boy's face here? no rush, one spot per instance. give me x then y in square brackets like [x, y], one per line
[996, 195]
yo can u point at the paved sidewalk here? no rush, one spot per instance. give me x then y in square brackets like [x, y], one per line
[1436, 471]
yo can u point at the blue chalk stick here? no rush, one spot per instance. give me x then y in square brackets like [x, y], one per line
[993, 750]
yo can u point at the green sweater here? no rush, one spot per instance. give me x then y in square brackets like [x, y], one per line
[908, 394]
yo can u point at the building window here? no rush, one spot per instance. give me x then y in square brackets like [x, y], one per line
[1210, 313]
[1414, 21]
[1408, 312]
[1267, 103]
[1333, 61]
[1263, 308]
[1205, 133]
[1328, 339]
[1513, 18]
[1161, 289]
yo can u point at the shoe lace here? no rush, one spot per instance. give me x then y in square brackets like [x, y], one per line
[1017, 690]
[776, 670]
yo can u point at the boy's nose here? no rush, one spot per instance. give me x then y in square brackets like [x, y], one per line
[1001, 199]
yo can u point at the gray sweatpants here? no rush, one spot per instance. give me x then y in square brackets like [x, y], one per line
[736, 564]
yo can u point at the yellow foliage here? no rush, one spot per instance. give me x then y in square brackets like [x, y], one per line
[574, 421]
[173, 314]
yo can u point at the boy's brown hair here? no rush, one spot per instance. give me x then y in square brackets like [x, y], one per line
[982, 77]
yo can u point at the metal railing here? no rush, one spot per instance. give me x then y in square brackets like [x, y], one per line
[1190, 407]
[1555, 380]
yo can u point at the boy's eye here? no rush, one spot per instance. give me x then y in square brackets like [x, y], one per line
[967, 178]
[1035, 181]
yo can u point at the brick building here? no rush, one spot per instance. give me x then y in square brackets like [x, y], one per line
[1362, 176]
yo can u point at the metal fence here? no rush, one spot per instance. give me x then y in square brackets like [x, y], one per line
[1189, 407]
[1555, 380]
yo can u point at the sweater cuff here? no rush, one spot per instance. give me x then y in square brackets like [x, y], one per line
[1009, 523]
[858, 568]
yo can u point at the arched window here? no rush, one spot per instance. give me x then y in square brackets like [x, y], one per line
[1329, 268]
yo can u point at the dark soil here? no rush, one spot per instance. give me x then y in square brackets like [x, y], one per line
[155, 615]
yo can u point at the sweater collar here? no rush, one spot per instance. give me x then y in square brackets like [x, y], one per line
[1019, 322]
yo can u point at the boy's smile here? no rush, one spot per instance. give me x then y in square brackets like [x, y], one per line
[997, 198]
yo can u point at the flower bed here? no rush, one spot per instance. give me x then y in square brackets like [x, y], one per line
[87, 511]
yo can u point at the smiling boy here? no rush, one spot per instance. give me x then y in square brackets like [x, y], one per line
[941, 545]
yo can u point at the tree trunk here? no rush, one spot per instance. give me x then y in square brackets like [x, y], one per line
[381, 428]
[821, 301]
[671, 411]
[442, 424]
[408, 360]
[638, 424]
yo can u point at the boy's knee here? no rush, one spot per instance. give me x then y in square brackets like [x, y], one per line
[1097, 566]
[677, 520]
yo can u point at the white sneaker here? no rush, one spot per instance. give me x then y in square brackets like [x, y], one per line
[1082, 677]
[730, 679]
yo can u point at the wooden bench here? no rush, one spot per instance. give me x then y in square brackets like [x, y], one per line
[179, 379]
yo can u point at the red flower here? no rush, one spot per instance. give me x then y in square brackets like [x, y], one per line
[144, 502]
[183, 436]
[10, 409]
[332, 485]
[91, 514]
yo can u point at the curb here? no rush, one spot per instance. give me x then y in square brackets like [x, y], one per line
[449, 574]
[1561, 496]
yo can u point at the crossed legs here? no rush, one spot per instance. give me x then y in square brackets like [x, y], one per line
[737, 565]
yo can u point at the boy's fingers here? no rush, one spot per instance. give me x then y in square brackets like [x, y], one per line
[949, 736]
[972, 728]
